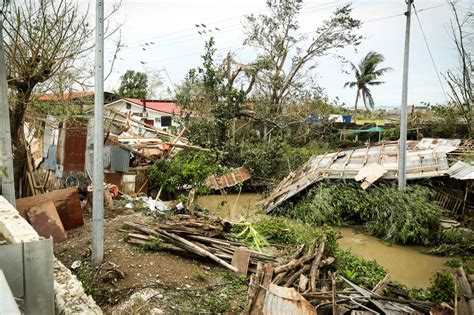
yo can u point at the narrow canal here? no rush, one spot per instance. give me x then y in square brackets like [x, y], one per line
[406, 264]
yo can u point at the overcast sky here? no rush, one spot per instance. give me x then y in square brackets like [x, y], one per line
[161, 34]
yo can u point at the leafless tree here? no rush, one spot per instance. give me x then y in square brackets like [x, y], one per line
[288, 55]
[44, 40]
[460, 80]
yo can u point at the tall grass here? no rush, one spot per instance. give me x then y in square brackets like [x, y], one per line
[408, 217]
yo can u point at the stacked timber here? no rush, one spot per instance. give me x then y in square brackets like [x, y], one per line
[197, 237]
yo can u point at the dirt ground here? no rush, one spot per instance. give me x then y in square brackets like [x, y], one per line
[173, 283]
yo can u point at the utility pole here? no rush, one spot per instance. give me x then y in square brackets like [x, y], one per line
[8, 182]
[402, 156]
[98, 173]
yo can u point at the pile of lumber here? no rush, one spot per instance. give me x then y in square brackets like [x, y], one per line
[198, 237]
[305, 272]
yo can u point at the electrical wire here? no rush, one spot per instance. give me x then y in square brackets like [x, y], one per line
[304, 33]
[431, 55]
[310, 9]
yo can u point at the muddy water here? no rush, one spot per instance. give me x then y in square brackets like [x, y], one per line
[406, 264]
[233, 207]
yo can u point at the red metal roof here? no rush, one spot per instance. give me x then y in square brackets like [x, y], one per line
[65, 96]
[164, 106]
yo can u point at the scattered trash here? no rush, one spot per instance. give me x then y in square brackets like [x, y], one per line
[76, 264]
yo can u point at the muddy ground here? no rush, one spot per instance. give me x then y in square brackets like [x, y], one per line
[158, 282]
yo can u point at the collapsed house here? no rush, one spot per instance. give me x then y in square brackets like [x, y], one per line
[426, 158]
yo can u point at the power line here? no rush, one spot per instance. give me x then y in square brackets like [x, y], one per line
[431, 55]
[232, 26]
[303, 33]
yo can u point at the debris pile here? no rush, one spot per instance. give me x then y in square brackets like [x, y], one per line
[309, 284]
[200, 237]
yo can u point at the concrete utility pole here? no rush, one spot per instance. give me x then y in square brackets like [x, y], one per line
[402, 156]
[8, 182]
[98, 173]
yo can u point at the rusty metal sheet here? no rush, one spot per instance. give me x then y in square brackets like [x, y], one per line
[422, 162]
[66, 201]
[74, 149]
[230, 179]
[281, 300]
[45, 220]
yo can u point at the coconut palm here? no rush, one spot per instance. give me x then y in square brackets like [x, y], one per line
[367, 75]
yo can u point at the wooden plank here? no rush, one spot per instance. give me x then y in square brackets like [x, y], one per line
[241, 259]
[67, 204]
[45, 220]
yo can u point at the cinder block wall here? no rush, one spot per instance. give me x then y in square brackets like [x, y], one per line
[69, 295]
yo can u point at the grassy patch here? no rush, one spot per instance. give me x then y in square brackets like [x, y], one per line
[94, 287]
[228, 297]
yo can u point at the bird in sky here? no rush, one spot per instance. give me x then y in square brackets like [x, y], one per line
[143, 48]
[197, 25]
[217, 29]
[199, 33]
[203, 25]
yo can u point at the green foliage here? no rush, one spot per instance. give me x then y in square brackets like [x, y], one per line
[201, 276]
[452, 242]
[282, 231]
[367, 75]
[185, 168]
[442, 288]
[360, 271]
[87, 275]
[134, 84]
[246, 233]
[400, 217]
[228, 297]
[454, 263]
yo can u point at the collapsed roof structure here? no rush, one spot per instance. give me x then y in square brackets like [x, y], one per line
[426, 158]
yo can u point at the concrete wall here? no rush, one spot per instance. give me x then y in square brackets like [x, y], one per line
[69, 295]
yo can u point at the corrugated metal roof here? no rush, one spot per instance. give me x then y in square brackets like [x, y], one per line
[425, 159]
[232, 178]
[461, 171]
[445, 145]
[281, 300]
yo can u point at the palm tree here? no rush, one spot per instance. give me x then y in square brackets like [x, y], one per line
[367, 75]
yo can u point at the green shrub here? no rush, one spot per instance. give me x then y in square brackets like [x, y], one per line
[401, 217]
[185, 168]
[442, 288]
